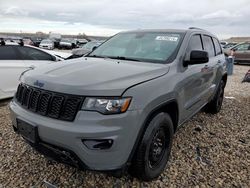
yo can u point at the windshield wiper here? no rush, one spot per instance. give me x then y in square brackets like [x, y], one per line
[60, 56]
[97, 56]
[123, 58]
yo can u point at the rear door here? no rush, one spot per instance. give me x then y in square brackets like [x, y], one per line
[209, 70]
[11, 66]
[220, 63]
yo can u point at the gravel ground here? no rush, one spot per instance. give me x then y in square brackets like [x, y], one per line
[208, 151]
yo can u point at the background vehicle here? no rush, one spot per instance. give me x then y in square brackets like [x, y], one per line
[66, 44]
[119, 106]
[37, 41]
[81, 42]
[47, 44]
[28, 41]
[223, 43]
[230, 45]
[15, 59]
[241, 53]
[89, 47]
[56, 38]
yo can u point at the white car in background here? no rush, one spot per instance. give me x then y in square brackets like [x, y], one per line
[15, 59]
[47, 44]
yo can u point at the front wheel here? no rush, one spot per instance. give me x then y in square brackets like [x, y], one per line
[153, 152]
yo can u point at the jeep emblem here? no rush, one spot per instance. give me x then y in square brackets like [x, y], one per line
[39, 84]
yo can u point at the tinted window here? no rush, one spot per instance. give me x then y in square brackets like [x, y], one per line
[217, 47]
[33, 54]
[194, 43]
[243, 47]
[8, 53]
[208, 45]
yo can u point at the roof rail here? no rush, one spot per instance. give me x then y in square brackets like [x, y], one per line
[196, 28]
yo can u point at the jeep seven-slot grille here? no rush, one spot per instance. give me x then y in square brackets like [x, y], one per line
[47, 103]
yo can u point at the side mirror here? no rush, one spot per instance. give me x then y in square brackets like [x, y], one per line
[198, 57]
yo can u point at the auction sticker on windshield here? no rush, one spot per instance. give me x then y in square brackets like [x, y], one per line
[167, 38]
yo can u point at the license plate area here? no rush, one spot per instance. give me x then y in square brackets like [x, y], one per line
[28, 131]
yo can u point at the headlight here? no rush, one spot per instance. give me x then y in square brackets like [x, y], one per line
[107, 105]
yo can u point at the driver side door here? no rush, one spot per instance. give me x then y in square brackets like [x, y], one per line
[194, 82]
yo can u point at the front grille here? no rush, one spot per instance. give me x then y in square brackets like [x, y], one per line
[47, 103]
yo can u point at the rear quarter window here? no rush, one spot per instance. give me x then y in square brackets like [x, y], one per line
[28, 53]
[217, 46]
[8, 53]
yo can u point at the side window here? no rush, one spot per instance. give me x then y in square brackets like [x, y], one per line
[243, 47]
[217, 46]
[33, 54]
[194, 44]
[208, 45]
[8, 53]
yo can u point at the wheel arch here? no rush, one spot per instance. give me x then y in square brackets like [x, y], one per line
[170, 107]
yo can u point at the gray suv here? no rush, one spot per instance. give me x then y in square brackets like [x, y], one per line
[118, 108]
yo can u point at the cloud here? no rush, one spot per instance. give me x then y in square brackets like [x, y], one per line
[221, 14]
[108, 15]
[15, 11]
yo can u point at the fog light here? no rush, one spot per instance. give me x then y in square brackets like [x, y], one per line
[98, 144]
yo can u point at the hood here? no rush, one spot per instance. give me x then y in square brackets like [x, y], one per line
[93, 76]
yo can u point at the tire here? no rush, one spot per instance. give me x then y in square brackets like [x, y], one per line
[154, 149]
[214, 106]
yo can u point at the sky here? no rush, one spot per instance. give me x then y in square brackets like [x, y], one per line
[107, 17]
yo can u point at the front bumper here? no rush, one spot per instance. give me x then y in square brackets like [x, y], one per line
[121, 128]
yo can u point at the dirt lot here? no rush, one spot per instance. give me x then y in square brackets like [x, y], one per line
[208, 151]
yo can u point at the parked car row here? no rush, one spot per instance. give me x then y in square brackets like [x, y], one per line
[64, 43]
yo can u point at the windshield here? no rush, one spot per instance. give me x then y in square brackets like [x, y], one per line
[144, 46]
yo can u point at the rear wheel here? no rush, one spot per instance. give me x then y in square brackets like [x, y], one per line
[154, 150]
[214, 106]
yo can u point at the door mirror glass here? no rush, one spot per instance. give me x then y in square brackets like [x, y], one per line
[198, 57]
